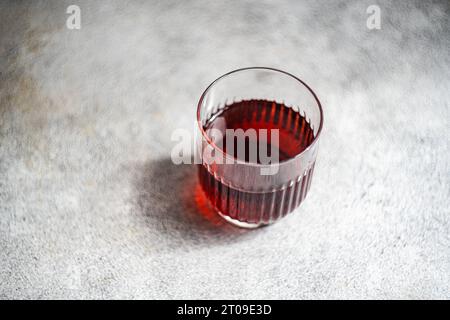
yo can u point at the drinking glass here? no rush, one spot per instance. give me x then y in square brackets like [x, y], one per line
[245, 192]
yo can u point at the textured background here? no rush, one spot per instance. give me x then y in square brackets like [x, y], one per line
[91, 206]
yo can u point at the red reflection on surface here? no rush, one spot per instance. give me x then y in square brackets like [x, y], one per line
[204, 207]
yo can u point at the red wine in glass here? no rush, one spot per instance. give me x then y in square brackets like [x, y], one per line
[295, 135]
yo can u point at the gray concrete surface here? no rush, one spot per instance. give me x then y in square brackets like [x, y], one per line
[92, 207]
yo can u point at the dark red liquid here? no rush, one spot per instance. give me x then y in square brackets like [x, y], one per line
[295, 135]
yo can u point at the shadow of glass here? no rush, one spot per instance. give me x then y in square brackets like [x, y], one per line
[171, 201]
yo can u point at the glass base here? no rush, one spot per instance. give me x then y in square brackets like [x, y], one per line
[241, 224]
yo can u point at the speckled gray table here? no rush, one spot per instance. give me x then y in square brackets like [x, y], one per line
[92, 207]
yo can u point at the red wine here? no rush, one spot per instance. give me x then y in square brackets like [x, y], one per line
[295, 135]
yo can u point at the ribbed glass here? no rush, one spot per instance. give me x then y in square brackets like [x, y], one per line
[239, 192]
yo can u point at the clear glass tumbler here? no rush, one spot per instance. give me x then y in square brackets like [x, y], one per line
[271, 110]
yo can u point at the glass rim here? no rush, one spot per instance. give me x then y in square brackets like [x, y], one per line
[236, 160]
